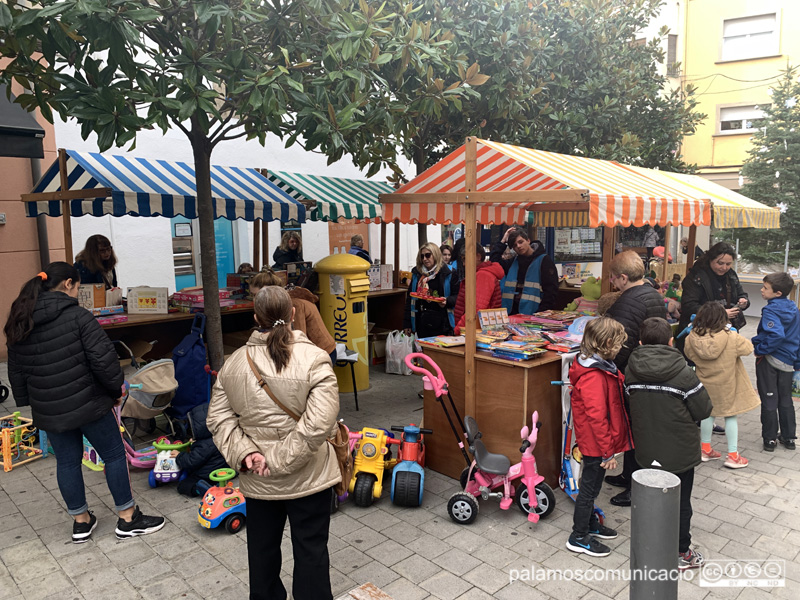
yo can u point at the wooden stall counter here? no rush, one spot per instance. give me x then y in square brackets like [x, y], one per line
[385, 308]
[507, 393]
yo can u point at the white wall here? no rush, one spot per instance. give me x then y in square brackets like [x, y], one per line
[143, 244]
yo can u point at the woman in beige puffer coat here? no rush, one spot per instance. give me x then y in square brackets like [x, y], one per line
[717, 353]
[286, 468]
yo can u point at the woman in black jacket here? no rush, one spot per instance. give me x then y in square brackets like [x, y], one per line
[97, 263]
[430, 279]
[62, 364]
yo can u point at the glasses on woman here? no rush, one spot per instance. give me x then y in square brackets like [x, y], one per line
[426, 255]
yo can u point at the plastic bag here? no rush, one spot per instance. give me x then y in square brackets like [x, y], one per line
[796, 386]
[398, 346]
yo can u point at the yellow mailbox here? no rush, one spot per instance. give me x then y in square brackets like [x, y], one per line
[343, 289]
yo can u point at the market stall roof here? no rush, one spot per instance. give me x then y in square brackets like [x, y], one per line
[730, 209]
[20, 134]
[615, 195]
[336, 198]
[148, 187]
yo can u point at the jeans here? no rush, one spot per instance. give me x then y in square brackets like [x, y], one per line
[104, 435]
[309, 522]
[685, 519]
[589, 488]
[775, 389]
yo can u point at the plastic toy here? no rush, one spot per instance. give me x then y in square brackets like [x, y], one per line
[488, 472]
[222, 504]
[17, 439]
[373, 457]
[491, 476]
[408, 475]
[591, 290]
[165, 469]
[571, 457]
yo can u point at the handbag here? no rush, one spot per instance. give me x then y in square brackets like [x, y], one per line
[340, 440]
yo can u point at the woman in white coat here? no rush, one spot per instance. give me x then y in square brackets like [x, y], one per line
[286, 468]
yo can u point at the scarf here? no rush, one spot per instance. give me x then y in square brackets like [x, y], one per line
[422, 284]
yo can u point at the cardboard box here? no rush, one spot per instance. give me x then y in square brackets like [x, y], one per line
[387, 277]
[92, 295]
[374, 274]
[377, 342]
[148, 300]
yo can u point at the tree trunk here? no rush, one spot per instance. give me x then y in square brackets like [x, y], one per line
[201, 148]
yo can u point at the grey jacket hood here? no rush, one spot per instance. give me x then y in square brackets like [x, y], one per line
[658, 363]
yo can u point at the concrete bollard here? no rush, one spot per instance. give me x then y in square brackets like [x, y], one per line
[655, 510]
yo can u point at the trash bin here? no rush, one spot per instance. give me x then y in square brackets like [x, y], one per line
[343, 289]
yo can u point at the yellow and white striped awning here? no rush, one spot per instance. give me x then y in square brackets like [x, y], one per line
[617, 195]
[731, 209]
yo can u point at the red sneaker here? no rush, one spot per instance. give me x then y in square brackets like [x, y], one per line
[710, 455]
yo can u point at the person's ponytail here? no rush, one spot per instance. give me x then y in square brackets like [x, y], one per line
[273, 308]
[20, 318]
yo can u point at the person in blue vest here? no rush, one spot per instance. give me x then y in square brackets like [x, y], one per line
[357, 247]
[430, 278]
[531, 281]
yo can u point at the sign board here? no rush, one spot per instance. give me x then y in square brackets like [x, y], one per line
[339, 235]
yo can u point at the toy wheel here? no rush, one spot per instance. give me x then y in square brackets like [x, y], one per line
[406, 489]
[601, 517]
[462, 508]
[151, 479]
[234, 523]
[362, 492]
[466, 478]
[334, 501]
[3, 393]
[545, 498]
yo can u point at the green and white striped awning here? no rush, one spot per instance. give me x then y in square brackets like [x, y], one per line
[336, 198]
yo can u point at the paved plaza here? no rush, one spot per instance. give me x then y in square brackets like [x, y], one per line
[411, 554]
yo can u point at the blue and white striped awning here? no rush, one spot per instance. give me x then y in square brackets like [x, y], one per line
[149, 188]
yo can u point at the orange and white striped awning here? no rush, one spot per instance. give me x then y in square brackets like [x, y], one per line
[617, 195]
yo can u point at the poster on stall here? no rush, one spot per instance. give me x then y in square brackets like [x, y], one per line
[562, 240]
[339, 235]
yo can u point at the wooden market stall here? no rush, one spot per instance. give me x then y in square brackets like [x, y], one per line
[486, 182]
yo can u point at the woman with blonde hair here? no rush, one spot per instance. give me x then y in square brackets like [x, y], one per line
[97, 262]
[306, 317]
[426, 314]
[286, 467]
[290, 250]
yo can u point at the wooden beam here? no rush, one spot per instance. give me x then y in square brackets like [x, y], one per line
[257, 245]
[66, 211]
[667, 236]
[609, 244]
[529, 197]
[67, 195]
[265, 243]
[692, 246]
[558, 206]
[397, 253]
[383, 243]
[471, 182]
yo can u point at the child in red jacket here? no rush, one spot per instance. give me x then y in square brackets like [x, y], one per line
[601, 427]
[487, 287]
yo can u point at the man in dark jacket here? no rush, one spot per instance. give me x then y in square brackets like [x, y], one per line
[203, 458]
[638, 301]
[531, 281]
[666, 399]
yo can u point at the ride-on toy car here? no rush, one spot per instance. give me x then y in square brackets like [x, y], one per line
[408, 475]
[373, 457]
[165, 469]
[222, 504]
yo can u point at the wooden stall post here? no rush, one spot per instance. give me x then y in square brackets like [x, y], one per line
[383, 243]
[66, 211]
[692, 245]
[265, 243]
[257, 245]
[667, 236]
[471, 182]
[609, 244]
[397, 253]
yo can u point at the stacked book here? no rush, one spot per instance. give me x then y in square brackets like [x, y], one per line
[525, 333]
[513, 350]
[192, 301]
[486, 337]
[442, 341]
[562, 341]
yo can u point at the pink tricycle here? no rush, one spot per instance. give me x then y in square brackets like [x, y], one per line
[489, 475]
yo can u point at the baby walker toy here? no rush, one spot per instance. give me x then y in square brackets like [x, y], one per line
[571, 456]
[166, 468]
[17, 439]
[408, 475]
[489, 475]
[222, 504]
[373, 457]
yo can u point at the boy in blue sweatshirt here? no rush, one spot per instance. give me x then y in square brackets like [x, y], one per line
[777, 351]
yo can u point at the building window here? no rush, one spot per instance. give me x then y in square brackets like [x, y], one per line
[673, 69]
[739, 119]
[750, 37]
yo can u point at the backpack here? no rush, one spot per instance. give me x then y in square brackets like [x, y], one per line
[190, 362]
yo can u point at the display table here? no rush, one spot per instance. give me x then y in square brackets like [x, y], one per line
[168, 330]
[507, 393]
[385, 308]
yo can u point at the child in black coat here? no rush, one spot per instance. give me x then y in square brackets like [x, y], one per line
[203, 458]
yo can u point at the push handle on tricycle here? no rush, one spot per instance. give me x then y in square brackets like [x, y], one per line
[526, 443]
[402, 428]
[437, 383]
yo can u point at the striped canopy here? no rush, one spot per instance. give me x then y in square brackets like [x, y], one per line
[731, 209]
[336, 198]
[617, 196]
[146, 188]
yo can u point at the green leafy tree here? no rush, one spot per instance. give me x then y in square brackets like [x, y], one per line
[217, 71]
[772, 175]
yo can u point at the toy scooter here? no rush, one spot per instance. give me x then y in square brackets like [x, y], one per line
[373, 457]
[222, 504]
[408, 475]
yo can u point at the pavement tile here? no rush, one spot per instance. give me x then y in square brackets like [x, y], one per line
[56, 586]
[487, 578]
[416, 569]
[373, 572]
[445, 585]
[403, 589]
[364, 538]
[456, 561]
[166, 586]
[215, 578]
[105, 579]
[89, 560]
